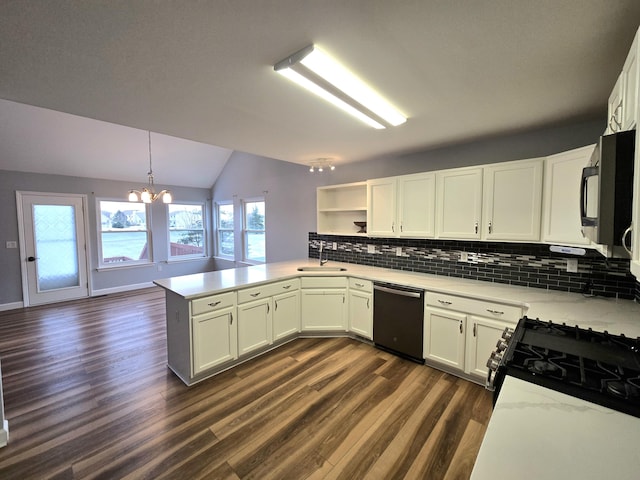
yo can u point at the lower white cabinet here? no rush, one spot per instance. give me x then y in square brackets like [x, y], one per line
[323, 303]
[254, 325]
[286, 314]
[361, 307]
[214, 339]
[460, 333]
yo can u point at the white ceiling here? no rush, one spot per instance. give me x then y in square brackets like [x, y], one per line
[203, 71]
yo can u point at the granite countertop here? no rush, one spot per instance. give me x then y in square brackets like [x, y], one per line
[599, 313]
[536, 433]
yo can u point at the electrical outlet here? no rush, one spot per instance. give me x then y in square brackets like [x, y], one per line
[572, 265]
[12, 244]
[464, 256]
[159, 267]
[371, 249]
[398, 251]
[335, 245]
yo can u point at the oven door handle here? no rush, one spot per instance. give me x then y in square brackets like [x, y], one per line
[397, 292]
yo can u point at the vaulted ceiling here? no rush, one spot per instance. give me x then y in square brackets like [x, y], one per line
[199, 74]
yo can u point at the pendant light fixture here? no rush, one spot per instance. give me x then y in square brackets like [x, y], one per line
[147, 195]
[316, 71]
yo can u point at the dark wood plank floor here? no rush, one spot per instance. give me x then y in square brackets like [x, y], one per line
[88, 395]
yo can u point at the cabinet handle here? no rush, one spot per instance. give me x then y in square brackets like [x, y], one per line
[275, 307]
[231, 322]
[401, 229]
[268, 308]
[495, 312]
[444, 302]
[476, 227]
[359, 285]
[624, 238]
[367, 304]
[214, 304]
[286, 287]
[460, 326]
[474, 329]
[342, 298]
[393, 226]
[254, 294]
[490, 227]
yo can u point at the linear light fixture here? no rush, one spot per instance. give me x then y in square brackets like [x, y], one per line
[316, 71]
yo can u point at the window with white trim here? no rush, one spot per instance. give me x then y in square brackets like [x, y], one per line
[253, 230]
[187, 232]
[224, 230]
[124, 234]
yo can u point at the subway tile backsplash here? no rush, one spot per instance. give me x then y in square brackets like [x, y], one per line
[524, 264]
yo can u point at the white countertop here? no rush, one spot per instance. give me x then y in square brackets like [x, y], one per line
[616, 316]
[540, 434]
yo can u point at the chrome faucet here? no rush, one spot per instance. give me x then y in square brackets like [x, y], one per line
[322, 262]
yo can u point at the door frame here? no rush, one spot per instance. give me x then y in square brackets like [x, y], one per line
[23, 249]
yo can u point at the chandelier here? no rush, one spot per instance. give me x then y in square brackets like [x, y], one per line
[147, 195]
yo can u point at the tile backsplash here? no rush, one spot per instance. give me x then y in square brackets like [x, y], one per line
[524, 264]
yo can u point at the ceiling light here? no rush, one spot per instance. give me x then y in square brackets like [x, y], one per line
[320, 164]
[147, 195]
[314, 70]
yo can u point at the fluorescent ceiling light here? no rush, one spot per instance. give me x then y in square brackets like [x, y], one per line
[317, 72]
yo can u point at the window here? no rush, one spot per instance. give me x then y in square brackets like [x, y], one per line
[187, 234]
[254, 231]
[124, 234]
[224, 229]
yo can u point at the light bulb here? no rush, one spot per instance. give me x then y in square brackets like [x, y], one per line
[333, 167]
[311, 169]
[145, 196]
[320, 169]
[133, 196]
[166, 198]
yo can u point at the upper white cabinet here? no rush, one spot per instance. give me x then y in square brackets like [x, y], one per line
[512, 200]
[339, 206]
[381, 207]
[459, 203]
[402, 206]
[561, 211]
[630, 87]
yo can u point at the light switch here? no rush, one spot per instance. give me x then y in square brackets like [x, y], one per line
[12, 244]
[371, 249]
[572, 265]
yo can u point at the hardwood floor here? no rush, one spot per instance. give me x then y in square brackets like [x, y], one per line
[88, 395]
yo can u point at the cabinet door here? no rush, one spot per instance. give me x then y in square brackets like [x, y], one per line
[361, 313]
[286, 314]
[458, 203]
[482, 336]
[561, 212]
[416, 205]
[444, 337]
[513, 201]
[615, 107]
[381, 207]
[214, 339]
[630, 87]
[254, 325]
[323, 309]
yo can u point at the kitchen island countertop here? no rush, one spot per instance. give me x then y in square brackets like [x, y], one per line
[599, 313]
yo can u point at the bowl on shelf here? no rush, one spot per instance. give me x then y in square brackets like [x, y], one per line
[362, 225]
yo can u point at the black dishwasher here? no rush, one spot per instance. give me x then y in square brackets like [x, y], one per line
[398, 320]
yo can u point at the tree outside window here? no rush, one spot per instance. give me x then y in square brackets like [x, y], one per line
[123, 233]
[187, 233]
[224, 230]
[254, 231]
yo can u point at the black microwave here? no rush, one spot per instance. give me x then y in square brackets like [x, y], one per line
[606, 192]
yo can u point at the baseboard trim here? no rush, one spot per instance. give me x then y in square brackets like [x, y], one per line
[122, 288]
[11, 306]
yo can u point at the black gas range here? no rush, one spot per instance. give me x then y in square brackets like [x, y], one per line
[596, 366]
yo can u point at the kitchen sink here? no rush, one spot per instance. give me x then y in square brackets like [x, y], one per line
[321, 269]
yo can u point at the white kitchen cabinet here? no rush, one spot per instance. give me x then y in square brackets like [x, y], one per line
[459, 203]
[630, 86]
[615, 106]
[460, 333]
[635, 220]
[339, 206]
[381, 207]
[361, 307]
[323, 303]
[561, 206]
[512, 200]
[402, 206]
[201, 333]
[254, 325]
[444, 337]
[286, 314]
[214, 339]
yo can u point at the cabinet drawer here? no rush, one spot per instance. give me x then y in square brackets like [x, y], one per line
[212, 303]
[323, 282]
[488, 309]
[267, 290]
[359, 284]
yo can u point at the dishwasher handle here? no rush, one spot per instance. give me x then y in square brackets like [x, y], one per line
[394, 291]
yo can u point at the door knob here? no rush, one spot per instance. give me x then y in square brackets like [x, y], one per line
[31, 259]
